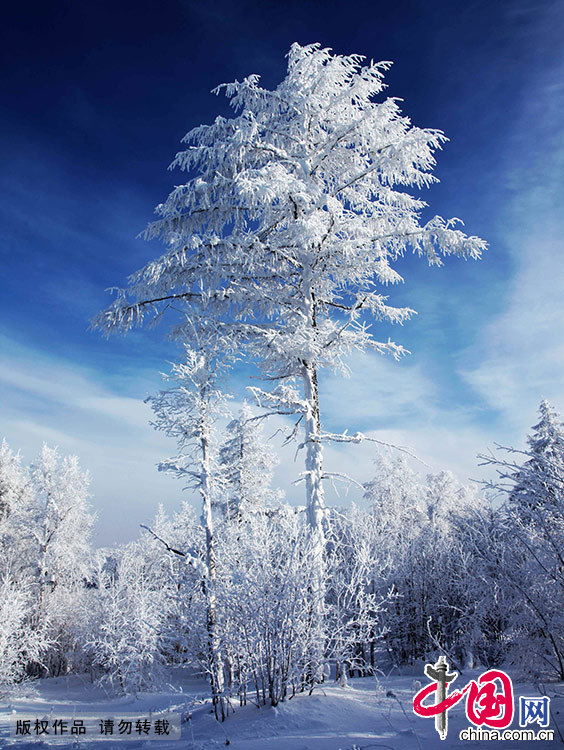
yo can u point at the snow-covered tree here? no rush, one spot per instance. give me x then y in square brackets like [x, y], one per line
[357, 591]
[45, 555]
[188, 412]
[14, 482]
[394, 496]
[185, 638]
[423, 552]
[60, 526]
[481, 558]
[16, 506]
[541, 478]
[20, 644]
[246, 462]
[533, 535]
[287, 228]
[62, 520]
[443, 497]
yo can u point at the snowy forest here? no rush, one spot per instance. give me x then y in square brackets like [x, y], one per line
[421, 566]
[279, 258]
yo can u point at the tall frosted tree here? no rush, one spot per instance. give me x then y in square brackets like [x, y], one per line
[188, 411]
[287, 228]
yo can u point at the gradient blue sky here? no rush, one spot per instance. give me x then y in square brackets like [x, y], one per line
[96, 97]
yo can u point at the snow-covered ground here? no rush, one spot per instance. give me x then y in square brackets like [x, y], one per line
[369, 714]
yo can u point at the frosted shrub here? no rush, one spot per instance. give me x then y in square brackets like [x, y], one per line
[265, 613]
[133, 605]
[20, 644]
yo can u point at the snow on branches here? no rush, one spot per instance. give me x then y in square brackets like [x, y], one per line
[293, 213]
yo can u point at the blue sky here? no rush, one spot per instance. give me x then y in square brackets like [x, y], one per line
[96, 97]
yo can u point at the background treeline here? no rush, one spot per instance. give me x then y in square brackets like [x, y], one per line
[420, 566]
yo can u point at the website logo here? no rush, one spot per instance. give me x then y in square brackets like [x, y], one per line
[489, 700]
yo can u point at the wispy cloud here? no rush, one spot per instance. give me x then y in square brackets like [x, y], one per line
[68, 407]
[400, 403]
[519, 356]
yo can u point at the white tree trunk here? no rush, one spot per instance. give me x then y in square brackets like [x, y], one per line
[315, 505]
[315, 500]
[214, 656]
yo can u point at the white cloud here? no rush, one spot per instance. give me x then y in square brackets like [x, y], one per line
[380, 390]
[109, 433]
[519, 357]
[396, 403]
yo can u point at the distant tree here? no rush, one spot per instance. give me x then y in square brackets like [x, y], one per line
[14, 482]
[185, 633]
[394, 496]
[540, 480]
[266, 623]
[479, 569]
[60, 525]
[63, 519]
[20, 642]
[246, 462]
[286, 231]
[16, 502]
[358, 591]
[423, 552]
[443, 497]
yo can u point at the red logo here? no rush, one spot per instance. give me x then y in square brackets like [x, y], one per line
[489, 701]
